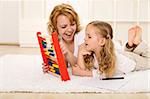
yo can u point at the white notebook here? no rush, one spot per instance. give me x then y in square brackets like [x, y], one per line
[106, 84]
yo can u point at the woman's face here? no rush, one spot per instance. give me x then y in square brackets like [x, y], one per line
[93, 40]
[65, 28]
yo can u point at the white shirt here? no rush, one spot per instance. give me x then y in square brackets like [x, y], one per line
[78, 40]
[123, 65]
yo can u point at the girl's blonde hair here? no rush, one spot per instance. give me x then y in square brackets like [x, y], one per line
[107, 55]
[62, 9]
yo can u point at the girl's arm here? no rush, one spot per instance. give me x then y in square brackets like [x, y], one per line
[76, 70]
[79, 69]
[81, 52]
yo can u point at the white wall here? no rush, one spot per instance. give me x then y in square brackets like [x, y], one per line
[33, 17]
[9, 22]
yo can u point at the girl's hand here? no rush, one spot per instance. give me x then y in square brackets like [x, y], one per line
[82, 50]
[45, 68]
[81, 53]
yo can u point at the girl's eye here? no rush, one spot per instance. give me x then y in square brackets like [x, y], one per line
[89, 37]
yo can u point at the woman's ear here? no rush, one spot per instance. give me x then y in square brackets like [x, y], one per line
[102, 41]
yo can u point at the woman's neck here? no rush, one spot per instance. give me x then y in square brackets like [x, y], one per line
[70, 45]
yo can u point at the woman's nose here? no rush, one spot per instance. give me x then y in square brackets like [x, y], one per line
[70, 29]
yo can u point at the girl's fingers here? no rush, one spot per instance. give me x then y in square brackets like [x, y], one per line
[75, 65]
[86, 52]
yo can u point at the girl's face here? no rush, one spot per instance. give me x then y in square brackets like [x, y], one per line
[66, 29]
[93, 40]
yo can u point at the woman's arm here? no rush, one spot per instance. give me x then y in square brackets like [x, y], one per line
[68, 53]
[71, 59]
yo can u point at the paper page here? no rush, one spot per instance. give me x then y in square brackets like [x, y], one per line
[106, 84]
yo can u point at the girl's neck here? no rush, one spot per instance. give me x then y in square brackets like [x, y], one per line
[97, 52]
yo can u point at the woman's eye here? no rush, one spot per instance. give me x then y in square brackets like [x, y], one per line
[63, 27]
[73, 24]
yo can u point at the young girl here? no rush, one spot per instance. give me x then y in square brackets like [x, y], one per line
[97, 57]
[65, 21]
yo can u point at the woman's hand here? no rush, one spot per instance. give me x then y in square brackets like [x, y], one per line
[63, 47]
[45, 68]
[68, 53]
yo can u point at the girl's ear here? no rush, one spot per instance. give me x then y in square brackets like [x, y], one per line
[102, 41]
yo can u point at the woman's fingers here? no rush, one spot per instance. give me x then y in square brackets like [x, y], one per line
[63, 48]
[45, 68]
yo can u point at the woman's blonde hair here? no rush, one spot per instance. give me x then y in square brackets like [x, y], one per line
[62, 9]
[107, 55]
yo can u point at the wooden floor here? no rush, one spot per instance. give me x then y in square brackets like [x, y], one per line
[22, 95]
[72, 96]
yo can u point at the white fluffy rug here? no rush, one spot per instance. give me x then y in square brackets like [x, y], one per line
[24, 73]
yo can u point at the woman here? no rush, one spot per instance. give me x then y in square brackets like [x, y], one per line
[65, 21]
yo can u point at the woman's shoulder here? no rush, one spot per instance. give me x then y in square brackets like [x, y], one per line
[79, 37]
[80, 34]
